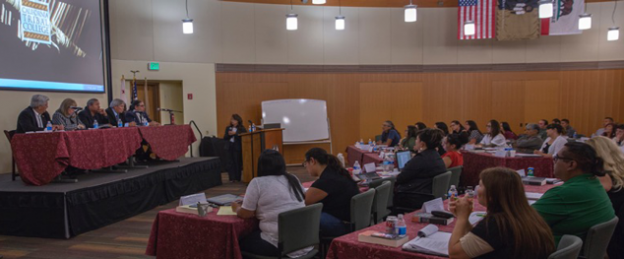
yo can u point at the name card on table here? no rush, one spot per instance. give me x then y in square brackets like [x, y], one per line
[521, 172]
[435, 204]
[364, 147]
[370, 168]
[193, 199]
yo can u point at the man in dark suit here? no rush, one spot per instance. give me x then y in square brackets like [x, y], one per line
[35, 117]
[137, 114]
[93, 112]
[116, 111]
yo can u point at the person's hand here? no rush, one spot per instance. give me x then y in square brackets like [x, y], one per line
[462, 207]
[80, 126]
[132, 124]
[154, 124]
[537, 152]
[58, 127]
[101, 111]
[236, 205]
[231, 133]
[452, 205]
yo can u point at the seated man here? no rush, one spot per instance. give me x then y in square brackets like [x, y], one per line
[542, 128]
[117, 111]
[565, 123]
[93, 112]
[138, 115]
[530, 140]
[35, 117]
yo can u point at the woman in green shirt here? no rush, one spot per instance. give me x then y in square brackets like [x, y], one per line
[410, 139]
[581, 202]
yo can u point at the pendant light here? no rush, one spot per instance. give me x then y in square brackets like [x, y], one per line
[469, 28]
[291, 19]
[340, 19]
[585, 20]
[613, 33]
[319, 1]
[410, 12]
[545, 9]
[187, 24]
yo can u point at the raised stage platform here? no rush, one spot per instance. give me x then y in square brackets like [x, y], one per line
[64, 210]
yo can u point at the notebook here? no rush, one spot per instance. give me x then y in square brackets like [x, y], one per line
[434, 244]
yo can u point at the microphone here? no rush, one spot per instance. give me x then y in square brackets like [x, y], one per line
[76, 108]
[250, 122]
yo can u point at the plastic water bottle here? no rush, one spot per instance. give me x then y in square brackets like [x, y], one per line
[374, 146]
[370, 142]
[401, 227]
[249, 128]
[96, 124]
[574, 136]
[508, 151]
[356, 168]
[119, 123]
[361, 141]
[144, 122]
[530, 172]
[253, 127]
[48, 126]
[388, 163]
[452, 193]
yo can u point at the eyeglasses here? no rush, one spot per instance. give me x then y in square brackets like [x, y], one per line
[557, 158]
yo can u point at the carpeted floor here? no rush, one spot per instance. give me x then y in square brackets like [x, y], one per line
[123, 240]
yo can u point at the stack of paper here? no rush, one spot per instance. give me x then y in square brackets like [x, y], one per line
[436, 244]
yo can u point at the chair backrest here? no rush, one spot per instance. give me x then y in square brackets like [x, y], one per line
[598, 238]
[361, 208]
[380, 202]
[299, 228]
[455, 174]
[569, 248]
[441, 184]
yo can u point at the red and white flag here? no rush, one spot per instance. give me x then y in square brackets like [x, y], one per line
[565, 18]
[123, 95]
[481, 12]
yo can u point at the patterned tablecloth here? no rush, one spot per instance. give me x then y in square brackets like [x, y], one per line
[474, 163]
[168, 142]
[178, 235]
[354, 154]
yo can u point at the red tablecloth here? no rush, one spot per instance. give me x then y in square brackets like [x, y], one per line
[169, 142]
[354, 154]
[178, 235]
[348, 246]
[474, 163]
[42, 156]
[371, 158]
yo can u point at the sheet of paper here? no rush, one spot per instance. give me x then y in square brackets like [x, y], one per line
[193, 199]
[226, 211]
[435, 204]
[370, 168]
[533, 195]
[436, 243]
[521, 172]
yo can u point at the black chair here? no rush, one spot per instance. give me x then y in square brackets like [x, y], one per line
[9, 134]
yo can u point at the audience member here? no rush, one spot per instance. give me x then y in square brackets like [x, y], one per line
[442, 126]
[613, 181]
[493, 137]
[410, 138]
[507, 132]
[117, 111]
[565, 123]
[452, 144]
[475, 134]
[66, 115]
[555, 121]
[35, 117]
[138, 115]
[605, 122]
[272, 192]
[530, 141]
[456, 127]
[92, 113]
[619, 136]
[554, 142]
[334, 189]
[510, 229]
[542, 125]
[609, 130]
[581, 202]
[389, 135]
[420, 126]
[414, 183]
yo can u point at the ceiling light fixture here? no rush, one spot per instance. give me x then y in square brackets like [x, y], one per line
[469, 28]
[340, 19]
[613, 33]
[410, 12]
[187, 24]
[545, 9]
[319, 1]
[291, 20]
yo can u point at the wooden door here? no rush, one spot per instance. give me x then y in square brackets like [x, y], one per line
[151, 99]
[508, 104]
[541, 100]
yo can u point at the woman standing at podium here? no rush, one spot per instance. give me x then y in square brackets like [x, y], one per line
[235, 165]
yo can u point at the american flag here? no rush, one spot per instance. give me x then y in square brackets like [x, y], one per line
[135, 95]
[481, 12]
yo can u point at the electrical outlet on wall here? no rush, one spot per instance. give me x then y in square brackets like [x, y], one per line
[207, 133]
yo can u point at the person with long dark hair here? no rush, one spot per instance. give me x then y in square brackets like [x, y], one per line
[554, 142]
[442, 126]
[494, 136]
[609, 130]
[272, 192]
[452, 145]
[507, 132]
[420, 126]
[581, 202]
[235, 147]
[475, 134]
[389, 135]
[334, 188]
[410, 139]
[456, 127]
[511, 228]
[414, 183]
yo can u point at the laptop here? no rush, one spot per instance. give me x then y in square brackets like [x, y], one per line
[369, 176]
[403, 157]
[224, 200]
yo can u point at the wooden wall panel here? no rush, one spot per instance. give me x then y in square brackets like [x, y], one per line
[359, 102]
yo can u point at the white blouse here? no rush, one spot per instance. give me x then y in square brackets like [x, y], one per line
[498, 141]
[556, 145]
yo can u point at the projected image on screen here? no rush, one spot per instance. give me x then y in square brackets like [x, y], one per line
[51, 45]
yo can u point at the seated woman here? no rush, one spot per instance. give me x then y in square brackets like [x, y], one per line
[581, 202]
[442, 126]
[67, 116]
[409, 141]
[420, 126]
[414, 183]
[510, 229]
[389, 136]
[613, 183]
[456, 127]
[272, 192]
[619, 136]
[475, 134]
[334, 188]
[507, 132]
[609, 130]
[494, 137]
[453, 143]
[554, 142]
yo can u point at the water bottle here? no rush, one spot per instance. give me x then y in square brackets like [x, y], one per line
[374, 147]
[253, 127]
[356, 168]
[401, 227]
[144, 122]
[370, 142]
[249, 128]
[530, 172]
[388, 163]
[361, 141]
[574, 136]
[48, 126]
[96, 124]
[508, 151]
[119, 123]
[452, 193]
[470, 193]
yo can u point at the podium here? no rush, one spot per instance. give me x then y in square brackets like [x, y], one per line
[253, 144]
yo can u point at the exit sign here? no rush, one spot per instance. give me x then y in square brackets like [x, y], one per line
[153, 66]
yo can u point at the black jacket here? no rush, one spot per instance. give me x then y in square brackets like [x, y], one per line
[417, 175]
[88, 120]
[112, 119]
[237, 139]
[26, 121]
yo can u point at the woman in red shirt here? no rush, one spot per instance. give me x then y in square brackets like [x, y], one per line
[453, 143]
[508, 133]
